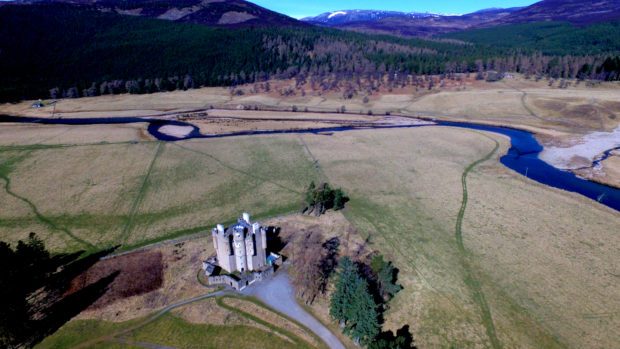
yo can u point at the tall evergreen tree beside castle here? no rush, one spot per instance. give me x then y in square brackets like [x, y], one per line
[341, 298]
[363, 316]
[353, 305]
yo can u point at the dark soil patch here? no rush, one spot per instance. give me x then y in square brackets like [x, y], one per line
[138, 273]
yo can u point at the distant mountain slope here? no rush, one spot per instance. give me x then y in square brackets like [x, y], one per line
[347, 16]
[406, 24]
[578, 12]
[215, 13]
[573, 11]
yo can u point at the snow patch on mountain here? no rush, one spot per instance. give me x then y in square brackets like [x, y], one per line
[333, 14]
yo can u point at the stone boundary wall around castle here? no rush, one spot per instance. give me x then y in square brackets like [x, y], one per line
[246, 280]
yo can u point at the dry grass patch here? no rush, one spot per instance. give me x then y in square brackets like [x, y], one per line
[497, 103]
[538, 247]
[208, 312]
[15, 135]
[233, 126]
[138, 273]
[300, 115]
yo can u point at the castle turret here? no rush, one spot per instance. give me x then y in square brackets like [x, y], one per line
[239, 248]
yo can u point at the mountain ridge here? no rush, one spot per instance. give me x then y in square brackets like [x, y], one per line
[406, 24]
[214, 13]
[411, 24]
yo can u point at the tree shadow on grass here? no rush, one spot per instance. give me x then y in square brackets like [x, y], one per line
[69, 306]
[403, 339]
[37, 299]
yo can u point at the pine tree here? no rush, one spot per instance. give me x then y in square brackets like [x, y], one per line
[385, 277]
[310, 194]
[363, 325]
[339, 199]
[342, 296]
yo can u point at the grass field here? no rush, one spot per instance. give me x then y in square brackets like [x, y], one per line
[526, 248]
[90, 196]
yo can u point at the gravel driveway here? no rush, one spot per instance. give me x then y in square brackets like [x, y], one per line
[278, 294]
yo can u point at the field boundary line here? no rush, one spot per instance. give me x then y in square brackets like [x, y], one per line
[525, 106]
[316, 164]
[236, 169]
[473, 283]
[132, 213]
[141, 344]
[38, 214]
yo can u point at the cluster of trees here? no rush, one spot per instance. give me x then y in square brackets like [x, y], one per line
[549, 38]
[361, 290]
[322, 198]
[60, 50]
[314, 260]
[34, 299]
[23, 270]
[355, 305]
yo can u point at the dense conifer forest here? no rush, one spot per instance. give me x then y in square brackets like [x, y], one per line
[59, 50]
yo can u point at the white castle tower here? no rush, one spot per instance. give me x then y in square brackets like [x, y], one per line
[242, 246]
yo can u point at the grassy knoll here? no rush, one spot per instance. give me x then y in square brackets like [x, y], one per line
[521, 240]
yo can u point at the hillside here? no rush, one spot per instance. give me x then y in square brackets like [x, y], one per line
[47, 45]
[63, 50]
[215, 13]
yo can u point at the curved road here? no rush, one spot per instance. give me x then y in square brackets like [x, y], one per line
[278, 294]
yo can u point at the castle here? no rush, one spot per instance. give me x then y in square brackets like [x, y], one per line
[242, 246]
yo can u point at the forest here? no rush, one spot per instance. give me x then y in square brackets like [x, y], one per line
[52, 50]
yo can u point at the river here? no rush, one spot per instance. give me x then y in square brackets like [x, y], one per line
[522, 156]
